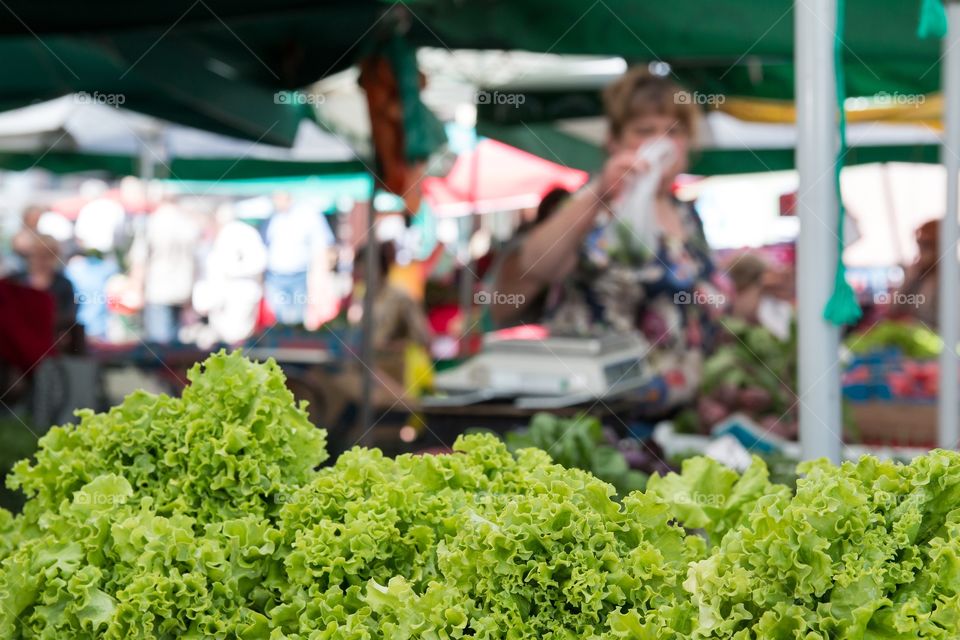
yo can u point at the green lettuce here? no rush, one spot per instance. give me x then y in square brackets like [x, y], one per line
[207, 516]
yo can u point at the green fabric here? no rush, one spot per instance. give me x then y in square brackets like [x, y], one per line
[207, 169]
[547, 141]
[933, 19]
[842, 307]
[733, 47]
[174, 82]
[423, 132]
[216, 65]
[332, 187]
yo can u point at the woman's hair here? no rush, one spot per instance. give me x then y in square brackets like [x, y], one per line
[929, 231]
[386, 256]
[638, 93]
[747, 270]
[550, 203]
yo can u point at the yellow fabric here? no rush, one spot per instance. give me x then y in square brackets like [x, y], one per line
[409, 277]
[417, 371]
[920, 110]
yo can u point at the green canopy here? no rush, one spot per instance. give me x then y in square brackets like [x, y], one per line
[550, 141]
[208, 169]
[731, 47]
[215, 64]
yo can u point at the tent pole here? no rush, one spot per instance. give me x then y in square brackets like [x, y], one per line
[819, 374]
[371, 268]
[468, 281]
[151, 146]
[948, 409]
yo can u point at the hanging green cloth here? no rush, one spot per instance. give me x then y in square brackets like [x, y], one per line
[842, 307]
[423, 132]
[933, 19]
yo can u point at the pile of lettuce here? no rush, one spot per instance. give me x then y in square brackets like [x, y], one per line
[582, 442]
[913, 340]
[207, 516]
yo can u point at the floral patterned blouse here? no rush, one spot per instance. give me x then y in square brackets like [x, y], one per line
[663, 291]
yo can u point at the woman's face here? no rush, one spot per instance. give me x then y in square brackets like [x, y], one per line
[42, 261]
[644, 129]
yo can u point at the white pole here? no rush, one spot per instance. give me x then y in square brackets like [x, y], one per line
[817, 143]
[948, 409]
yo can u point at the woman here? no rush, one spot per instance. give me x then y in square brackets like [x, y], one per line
[530, 297]
[399, 327]
[663, 290]
[44, 272]
[752, 300]
[917, 297]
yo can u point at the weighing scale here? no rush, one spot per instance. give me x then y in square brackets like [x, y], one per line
[545, 373]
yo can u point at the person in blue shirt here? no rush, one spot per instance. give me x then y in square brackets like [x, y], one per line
[297, 238]
[89, 272]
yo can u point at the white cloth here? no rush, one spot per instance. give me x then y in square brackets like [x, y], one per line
[168, 252]
[99, 224]
[237, 252]
[231, 293]
[775, 315]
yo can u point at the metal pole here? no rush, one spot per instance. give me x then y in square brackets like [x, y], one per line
[152, 149]
[819, 375]
[891, 209]
[468, 280]
[948, 408]
[371, 269]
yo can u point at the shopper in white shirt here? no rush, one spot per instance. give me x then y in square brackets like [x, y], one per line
[231, 292]
[164, 261]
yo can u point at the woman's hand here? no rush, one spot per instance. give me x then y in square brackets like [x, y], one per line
[617, 173]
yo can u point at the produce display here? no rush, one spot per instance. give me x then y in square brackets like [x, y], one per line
[205, 517]
[754, 372]
[894, 361]
[913, 340]
[19, 442]
[582, 442]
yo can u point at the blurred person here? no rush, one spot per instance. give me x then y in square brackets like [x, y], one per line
[26, 337]
[164, 266]
[917, 297]
[398, 319]
[100, 223]
[529, 295]
[231, 291]
[44, 272]
[752, 301]
[400, 339]
[297, 239]
[29, 229]
[59, 227]
[89, 271]
[627, 268]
